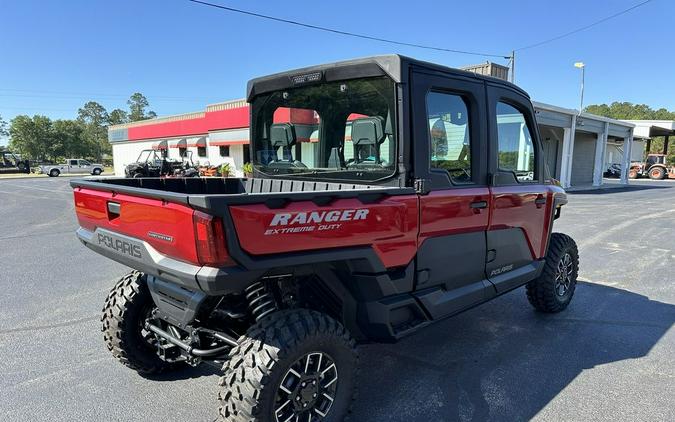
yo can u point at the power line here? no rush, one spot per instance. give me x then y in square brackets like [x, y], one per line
[346, 33]
[583, 28]
[5, 92]
[100, 97]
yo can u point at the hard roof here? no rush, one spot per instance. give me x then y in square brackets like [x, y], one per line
[393, 65]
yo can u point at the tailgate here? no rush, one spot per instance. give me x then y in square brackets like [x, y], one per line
[389, 226]
[166, 226]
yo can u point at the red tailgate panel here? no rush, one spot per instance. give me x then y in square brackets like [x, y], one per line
[138, 217]
[389, 226]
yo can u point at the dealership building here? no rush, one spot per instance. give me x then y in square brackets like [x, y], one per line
[578, 147]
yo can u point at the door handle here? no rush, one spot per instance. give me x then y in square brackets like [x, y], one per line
[540, 201]
[478, 204]
[113, 210]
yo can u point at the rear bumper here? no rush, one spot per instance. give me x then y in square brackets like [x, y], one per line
[141, 256]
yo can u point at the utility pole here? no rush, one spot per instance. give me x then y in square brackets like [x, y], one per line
[513, 66]
[582, 66]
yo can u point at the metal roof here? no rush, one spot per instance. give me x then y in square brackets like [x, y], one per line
[393, 65]
[584, 115]
[652, 128]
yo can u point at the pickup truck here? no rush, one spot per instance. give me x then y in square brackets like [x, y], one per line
[420, 193]
[72, 166]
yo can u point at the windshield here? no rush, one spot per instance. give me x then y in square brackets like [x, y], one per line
[337, 130]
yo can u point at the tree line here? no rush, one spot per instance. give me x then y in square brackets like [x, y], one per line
[630, 111]
[43, 139]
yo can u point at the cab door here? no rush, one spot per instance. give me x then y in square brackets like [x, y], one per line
[72, 166]
[85, 166]
[449, 127]
[520, 200]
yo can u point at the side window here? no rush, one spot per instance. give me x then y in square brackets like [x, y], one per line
[73, 162]
[449, 135]
[516, 148]
[85, 163]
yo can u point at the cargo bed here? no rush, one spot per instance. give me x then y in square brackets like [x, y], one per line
[212, 193]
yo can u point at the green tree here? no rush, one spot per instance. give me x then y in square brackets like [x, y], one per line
[137, 108]
[32, 136]
[94, 119]
[118, 117]
[70, 141]
[3, 128]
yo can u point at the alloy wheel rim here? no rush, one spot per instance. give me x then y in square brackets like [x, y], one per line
[563, 275]
[307, 390]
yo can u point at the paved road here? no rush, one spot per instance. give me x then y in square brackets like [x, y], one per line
[608, 357]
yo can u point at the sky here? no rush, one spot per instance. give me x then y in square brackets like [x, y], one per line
[56, 55]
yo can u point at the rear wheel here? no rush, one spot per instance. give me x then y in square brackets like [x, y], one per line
[293, 365]
[552, 291]
[54, 173]
[657, 173]
[126, 308]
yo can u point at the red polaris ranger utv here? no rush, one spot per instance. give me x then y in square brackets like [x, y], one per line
[415, 192]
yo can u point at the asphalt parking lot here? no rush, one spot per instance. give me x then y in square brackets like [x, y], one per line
[610, 356]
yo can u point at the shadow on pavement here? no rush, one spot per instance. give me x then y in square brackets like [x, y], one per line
[502, 360]
[185, 372]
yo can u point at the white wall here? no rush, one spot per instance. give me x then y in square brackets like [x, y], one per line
[614, 153]
[126, 153]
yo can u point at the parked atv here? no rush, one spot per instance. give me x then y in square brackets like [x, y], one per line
[12, 163]
[154, 163]
[365, 236]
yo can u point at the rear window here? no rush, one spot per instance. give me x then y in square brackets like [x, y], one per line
[341, 130]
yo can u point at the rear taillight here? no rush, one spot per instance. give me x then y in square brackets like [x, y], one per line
[210, 240]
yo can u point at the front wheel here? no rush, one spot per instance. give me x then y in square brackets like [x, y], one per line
[96, 172]
[293, 365]
[552, 291]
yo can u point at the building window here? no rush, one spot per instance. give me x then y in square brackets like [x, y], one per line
[182, 152]
[224, 150]
[201, 151]
[516, 149]
[449, 135]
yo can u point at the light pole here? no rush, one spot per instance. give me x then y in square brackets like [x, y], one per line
[582, 66]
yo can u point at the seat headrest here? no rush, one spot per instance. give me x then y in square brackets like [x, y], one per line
[282, 135]
[438, 130]
[367, 131]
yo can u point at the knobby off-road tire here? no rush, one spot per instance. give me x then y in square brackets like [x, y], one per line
[554, 288]
[127, 306]
[657, 173]
[250, 387]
